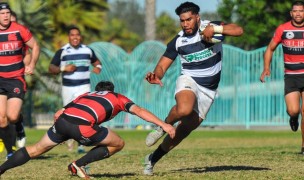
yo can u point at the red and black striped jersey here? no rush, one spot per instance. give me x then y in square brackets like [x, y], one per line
[97, 107]
[12, 44]
[292, 40]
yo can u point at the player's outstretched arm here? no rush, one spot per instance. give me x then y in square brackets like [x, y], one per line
[148, 116]
[232, 30]
[159, 71]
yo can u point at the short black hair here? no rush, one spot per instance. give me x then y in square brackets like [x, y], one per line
[104, 86]
[297, 3]
[70, 28]
[186, 7]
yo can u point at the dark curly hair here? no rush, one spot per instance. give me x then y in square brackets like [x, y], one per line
[72, 27]
[104, 86]
[187, 7]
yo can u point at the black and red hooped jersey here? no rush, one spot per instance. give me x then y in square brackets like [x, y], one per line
[12, 47]
[97, 107]
[292, 40]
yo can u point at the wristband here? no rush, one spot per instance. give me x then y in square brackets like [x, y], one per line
[99, 66]
[62, 68]
[218, 29]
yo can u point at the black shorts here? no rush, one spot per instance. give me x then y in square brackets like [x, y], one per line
[86, 134]
[12, 88]
[294, 82]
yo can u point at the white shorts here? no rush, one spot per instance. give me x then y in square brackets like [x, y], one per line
[204, 96]
[69, 93]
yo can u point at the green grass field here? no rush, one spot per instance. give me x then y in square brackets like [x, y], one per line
[205, 154]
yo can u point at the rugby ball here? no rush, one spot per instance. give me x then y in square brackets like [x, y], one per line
[216, 38]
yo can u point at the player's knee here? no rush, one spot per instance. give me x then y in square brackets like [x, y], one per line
[183, 111]
[121, 145]
[13, 118]
[293, 112]
[3, 121]
[33, 150]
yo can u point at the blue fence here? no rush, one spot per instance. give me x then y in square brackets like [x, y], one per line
[242, 100]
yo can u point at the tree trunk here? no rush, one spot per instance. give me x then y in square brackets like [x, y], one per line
[150, 20]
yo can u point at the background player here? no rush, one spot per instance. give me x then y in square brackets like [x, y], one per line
[73, 60]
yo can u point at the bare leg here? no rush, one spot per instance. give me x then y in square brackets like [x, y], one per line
[109, 146]
[9, 113]
[187, 125]
[302, 122]
[23, 155]
[293, 109]
[185, 101]
[113, 142]
[45, 144]
[184, 106]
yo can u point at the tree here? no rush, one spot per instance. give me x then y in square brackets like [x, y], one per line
[88, 15]
[150, 20]
[49, 19]
[258, 18]
[129, 12]
[34, 14]
[166, 28]
[212, 16]
[117, 33]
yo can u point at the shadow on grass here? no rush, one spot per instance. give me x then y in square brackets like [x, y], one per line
[112, 175]
[49, 156]
[221, 168]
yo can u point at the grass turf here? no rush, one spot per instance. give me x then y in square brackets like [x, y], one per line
[205, 154]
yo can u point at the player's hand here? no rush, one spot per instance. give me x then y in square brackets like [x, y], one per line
[153, 79]
[265, 73]
[207, 33]
[168, 128]
[57, 114]
[29, 69]
[96, 70]
[70, 68]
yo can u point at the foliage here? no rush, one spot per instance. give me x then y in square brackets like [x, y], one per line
[88, 15]
[35, 15]
[131, 14]
[166, 27]
[117, 33]
[212, 16]
[125, 25]
[258, 18]
[49, 19]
